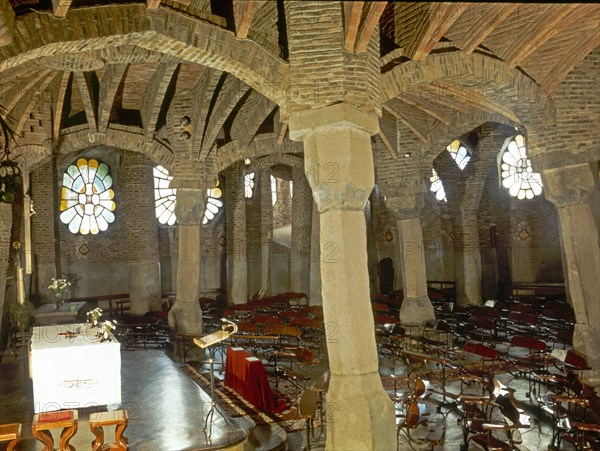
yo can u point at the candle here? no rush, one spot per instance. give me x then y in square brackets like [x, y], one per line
[21, 286]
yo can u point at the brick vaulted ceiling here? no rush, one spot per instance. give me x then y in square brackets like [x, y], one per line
[144, 68]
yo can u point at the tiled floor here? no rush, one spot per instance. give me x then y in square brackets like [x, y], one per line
[167, 410]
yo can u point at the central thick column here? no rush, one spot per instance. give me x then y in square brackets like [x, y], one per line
[339, 168]
[570, 189]
[186, 315]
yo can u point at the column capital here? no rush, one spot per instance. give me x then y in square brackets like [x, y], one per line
[341, 115]
[404, 199]
[190, 205]
[569, 185]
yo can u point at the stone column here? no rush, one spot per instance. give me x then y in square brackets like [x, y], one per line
[301, 233]
[339, 167]
[266, 226]
[43, 232]
[235, 208]
[569, 188]
[467, 257]
[5, 231]
[315, 297]
[137, 182]
[185, 315]
[405, 201]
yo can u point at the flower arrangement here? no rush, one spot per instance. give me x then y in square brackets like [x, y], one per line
[60, 288]
[106, 328]
[94, 315]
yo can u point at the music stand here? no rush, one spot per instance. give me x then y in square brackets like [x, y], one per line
[208, 341]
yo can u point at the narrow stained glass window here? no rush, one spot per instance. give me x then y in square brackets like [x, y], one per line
[459, 153]
[273, 190]
[249, 185]
[164, 197]
[437, 187]
[214, 203]
[87, 200]
[517, 174]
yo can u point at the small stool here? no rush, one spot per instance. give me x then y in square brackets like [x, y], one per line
[43, 422]
[117, 418]
[10, 432]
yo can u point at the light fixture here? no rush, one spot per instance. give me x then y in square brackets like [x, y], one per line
[407, 155]
[185, 121]
[185, 136]
[10, 178]
[11, 182]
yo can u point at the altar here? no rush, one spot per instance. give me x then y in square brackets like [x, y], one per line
[70, 368]
[66, 313]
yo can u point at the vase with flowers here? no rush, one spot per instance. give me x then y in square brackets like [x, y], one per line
[105, 330]
[61, 289]
[93, 316]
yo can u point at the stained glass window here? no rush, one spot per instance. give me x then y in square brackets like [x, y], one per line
[517, 175]
[164, 197]
[273, 190]
[213, 203]
[249, 185]
[87, 200]
[437, 187]
[459, 153]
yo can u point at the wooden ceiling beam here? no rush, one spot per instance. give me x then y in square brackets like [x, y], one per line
[367, 27]
[416, 127]
[388, 145]
[441, 114]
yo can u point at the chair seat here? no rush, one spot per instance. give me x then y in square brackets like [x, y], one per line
[491, 443]
[10, 431]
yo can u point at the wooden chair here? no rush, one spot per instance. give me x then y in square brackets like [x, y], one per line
[44, 422]
[117, 418]
[412, 413]
[10, 433]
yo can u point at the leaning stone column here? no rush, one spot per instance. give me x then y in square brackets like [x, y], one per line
[5, 231]
[467, 257]
[185, 315]
[137, 183]
[301, 233]
[569, 189]
[405, 201]
[235, 207]
[360, 415]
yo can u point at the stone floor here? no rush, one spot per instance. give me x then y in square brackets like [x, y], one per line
[167, 411]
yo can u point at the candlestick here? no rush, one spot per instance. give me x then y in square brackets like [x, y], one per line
[21, 286]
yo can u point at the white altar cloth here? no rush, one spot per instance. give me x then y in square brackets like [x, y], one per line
[71, 372]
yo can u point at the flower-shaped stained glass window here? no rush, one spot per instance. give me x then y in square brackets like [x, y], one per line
[459, 153]
[164, 197]
[517, 175]
[87, 200]
[214, 203]
[437, 187]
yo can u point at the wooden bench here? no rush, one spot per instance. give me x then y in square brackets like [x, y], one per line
[117, 418]
[10, 433]
[44, 422]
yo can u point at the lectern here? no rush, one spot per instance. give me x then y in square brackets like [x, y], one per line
[208, 341]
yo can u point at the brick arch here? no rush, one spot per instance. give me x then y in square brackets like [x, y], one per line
[132, 140]
[275, 159]
[164, 31]
[32, 155]
[490, 76]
